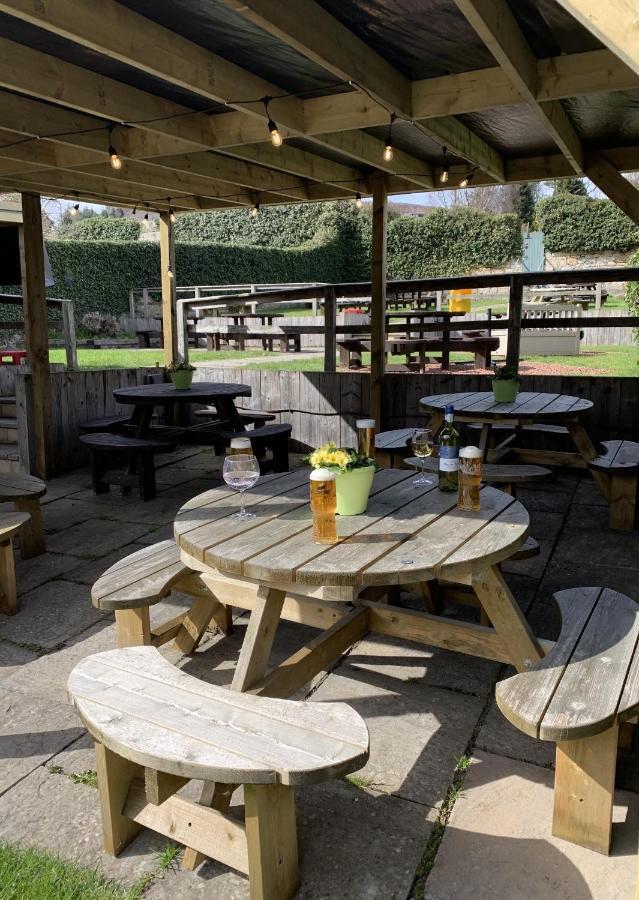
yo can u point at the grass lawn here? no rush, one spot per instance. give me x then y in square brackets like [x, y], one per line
[619, 361]
[128, 358]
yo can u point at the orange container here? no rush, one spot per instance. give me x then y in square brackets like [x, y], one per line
[459, 300]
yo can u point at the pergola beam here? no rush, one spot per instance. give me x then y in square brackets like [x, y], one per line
[614, 22]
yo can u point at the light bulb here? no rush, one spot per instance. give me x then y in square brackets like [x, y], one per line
[75, 209]
[276, 137]
[135, 209]
[464, 182]
[444, 175]
[146, 217]
[387, 155]
[172, 214]
[358, 200]
[170, 273]
[114, 159]
[255, 211]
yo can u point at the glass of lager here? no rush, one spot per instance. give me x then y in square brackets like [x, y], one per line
[323, 505]
[241, 471]
[469, 478]
[366, 437]
[240, 445]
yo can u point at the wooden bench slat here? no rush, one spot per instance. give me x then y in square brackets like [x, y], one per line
[617, 455]
[140, 706]
[492, 473]
[16, 487]
[11, 523]
[140, 579]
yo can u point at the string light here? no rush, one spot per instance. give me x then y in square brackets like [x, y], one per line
[135, 209]
[255, 209]
[116, 162]
[445, 168]
[358, 200]
[169, 272]
[75, 209]
[276, 137]
[171, 213]
[387, 153]
[467, 178]
[146, 217]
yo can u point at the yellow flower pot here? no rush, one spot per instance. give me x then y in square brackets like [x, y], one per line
[353, 489]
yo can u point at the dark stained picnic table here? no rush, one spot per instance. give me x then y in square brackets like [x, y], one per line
[146, 397]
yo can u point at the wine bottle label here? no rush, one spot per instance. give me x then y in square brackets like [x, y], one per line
[448, 459]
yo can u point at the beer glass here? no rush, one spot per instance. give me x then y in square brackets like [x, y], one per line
[241, 471]
[469, 478]
[323, 505]
[422, 446]
[240, 445]
[366, 437]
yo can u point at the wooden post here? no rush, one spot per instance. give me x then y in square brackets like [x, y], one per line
[330, 324]
[514, 320]
[36, 330]
[378, 298]
[169, 296]
[70, 344]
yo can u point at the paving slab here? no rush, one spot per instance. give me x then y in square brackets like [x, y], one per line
[535, 566]
[498, 842]
[588, 517]
[417, 732]
[95, 537]
[66, 512]
[162, 533]
[588, 493]
[13, 657]
[33, 730]
[550, 498]
[498, 736]
[30, 573]
[50, 615]
[613, 548]
[50, 812]
[64, 485]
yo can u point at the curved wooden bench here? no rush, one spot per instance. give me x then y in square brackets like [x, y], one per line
[620, 461]
[506, 476]
[25, 491]
[578, 695]
[10, 524]
[133, 584]
[140, 452]
[101, 424]
[157, 727]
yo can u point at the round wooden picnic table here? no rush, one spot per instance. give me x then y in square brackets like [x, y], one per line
[146, 397]
[409, 535]
[531, 408]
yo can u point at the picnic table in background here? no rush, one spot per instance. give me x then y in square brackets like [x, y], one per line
[147, 397]
[578, 294]
[408, 535]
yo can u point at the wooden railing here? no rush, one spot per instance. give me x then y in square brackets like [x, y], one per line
[68, 323]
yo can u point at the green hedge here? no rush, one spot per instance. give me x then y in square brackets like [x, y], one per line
[632, 292]
[581, 224]
[102, 228]
[276, 226]
[451, 243]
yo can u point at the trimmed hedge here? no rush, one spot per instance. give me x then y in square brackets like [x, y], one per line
[102, 228]
[584, 225]
[276, 226]
[632, 292]
[452, 243]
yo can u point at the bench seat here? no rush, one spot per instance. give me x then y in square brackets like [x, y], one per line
[619, 460]
[507, 476]
[578, 695]
[133, 584]
[272, 437]
[25, 492]
[104, 423]
[105, 448]
[156, 727]
[10, 525]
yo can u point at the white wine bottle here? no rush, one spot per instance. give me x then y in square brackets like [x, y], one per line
[449, 443]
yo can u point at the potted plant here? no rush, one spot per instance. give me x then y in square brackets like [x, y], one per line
[353, 476]
[181, 375]
[505, 384]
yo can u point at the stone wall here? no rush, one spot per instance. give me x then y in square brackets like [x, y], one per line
[607, 259]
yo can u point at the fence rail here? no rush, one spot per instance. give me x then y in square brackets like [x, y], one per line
[68, 322]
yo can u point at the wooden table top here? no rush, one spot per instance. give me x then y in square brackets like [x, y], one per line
[409, 533]
[528, 405]
[199, 392]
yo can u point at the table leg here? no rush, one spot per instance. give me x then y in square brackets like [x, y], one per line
[141, 419]
[31, 535]
[587, 449]
[226, 410]
[507, 618]
[484, 440]
[436, 422]
[260, 634]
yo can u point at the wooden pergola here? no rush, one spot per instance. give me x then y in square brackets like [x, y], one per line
[167, 107]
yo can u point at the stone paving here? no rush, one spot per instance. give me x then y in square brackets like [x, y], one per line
[454, 801]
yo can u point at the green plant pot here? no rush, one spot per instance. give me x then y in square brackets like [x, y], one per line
[353, 489]
[505, 390]
[182, 380]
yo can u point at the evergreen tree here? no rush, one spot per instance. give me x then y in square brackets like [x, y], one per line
[524, 205]
[570, 186]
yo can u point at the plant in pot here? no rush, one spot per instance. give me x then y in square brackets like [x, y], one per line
[353, 476]
[505, 384]
[181, 375]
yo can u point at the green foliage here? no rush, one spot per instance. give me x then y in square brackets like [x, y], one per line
[632, 293]
[100, 228]
[276, 226]
[574, 186]
[584, 225]
[525, 202]
[451, 243]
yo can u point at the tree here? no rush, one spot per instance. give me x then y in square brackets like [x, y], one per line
[570, 186]
[525, 202]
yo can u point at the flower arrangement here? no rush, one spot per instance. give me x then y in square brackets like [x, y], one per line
[505, 373]
[180, 366]
[338, 459]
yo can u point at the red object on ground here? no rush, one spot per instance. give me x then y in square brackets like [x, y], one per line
[353, 309]
[12, 357]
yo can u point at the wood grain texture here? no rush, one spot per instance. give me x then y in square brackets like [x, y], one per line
[529, 404]
[141, 707]
[141, 579]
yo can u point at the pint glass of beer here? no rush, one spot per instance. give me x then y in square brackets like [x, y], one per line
[239, 445]
[323, 504]
[366, 437]
[469, 478]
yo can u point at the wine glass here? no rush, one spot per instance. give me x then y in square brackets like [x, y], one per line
[241, 472]
[422, 446]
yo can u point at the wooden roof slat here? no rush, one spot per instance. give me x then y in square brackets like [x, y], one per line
[614, 22]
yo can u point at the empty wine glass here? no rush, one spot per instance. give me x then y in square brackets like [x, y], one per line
[241, 472]
[422, 446]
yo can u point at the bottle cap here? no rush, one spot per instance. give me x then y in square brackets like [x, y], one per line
[365, 423]
[471, 452]
[322, 475]
[449, 409]
[240, 443]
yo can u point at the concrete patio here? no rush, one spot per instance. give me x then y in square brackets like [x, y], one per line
[453, 803]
